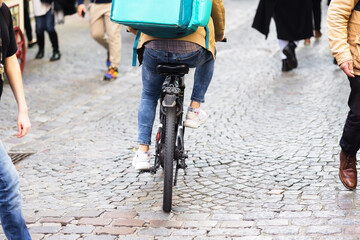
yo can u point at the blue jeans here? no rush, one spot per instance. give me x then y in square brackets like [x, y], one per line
[12, 219]
[46, 23]
[202, 60]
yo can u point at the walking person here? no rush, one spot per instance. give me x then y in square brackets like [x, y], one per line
[293, 20]
[190, 50]
[12, 219]
[101, 25]
[27, 23]
[45, 21]
[316, 7]
[343, 31]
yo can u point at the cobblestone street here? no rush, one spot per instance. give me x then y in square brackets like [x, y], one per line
[264, 167]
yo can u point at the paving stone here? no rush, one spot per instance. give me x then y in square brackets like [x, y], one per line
[78, 229]
[165, 224]
[129, 222]
[95, 221]
[43, 229]
[115, 230]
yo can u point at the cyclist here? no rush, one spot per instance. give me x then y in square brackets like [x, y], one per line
[190, 50]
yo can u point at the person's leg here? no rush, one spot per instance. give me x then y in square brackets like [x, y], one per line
[50, 28]
[27, 24]
[317, 17]
[12, 219]
[40, 25]
[114, 37]
[114, 41]
[151, 91]
[97, 25]
[350, 140]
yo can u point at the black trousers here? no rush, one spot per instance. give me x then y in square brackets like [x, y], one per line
[27, 21]
[317, 14]
[350, 140]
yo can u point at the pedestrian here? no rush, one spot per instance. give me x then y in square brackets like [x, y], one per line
[316, 7]
[27, 23]
[100, 24]
[343, 32]
[293, 20]
[190, 50]
[12, 219]
[45, 21]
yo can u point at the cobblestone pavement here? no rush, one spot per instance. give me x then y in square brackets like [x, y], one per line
[265, 166]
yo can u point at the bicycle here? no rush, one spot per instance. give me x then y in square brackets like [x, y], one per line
[169, 146]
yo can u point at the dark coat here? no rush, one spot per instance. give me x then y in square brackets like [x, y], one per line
[293, 18]
[68, 6]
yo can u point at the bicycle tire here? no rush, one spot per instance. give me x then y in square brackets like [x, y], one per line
[169, 153]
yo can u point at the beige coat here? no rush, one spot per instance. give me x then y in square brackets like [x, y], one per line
[216, 29]
[344, 32]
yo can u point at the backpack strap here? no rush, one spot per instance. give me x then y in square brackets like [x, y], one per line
[207, 37]
[136, 42]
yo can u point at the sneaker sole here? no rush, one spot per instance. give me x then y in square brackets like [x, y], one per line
[142, 166]
[191, 124]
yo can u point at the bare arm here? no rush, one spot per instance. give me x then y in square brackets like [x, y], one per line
[13, 73]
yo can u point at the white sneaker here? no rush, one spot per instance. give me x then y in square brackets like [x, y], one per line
[195, 119]
[141, 160]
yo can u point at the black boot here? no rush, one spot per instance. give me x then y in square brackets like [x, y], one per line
[40, 54]
[56, 56]
[289, 52]
[285, 66]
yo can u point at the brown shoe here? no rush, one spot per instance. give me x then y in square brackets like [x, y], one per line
[318, 34]
[347, 172]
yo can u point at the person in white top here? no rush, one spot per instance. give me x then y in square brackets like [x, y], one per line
[45, 21]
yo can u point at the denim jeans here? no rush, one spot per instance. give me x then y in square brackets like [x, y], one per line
[202, 60]
[350, 140]
[46, 23]
[12, 219]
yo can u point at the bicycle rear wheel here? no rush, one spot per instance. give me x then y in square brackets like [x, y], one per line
[169, 153]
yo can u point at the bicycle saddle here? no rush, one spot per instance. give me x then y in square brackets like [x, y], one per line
[166, 68]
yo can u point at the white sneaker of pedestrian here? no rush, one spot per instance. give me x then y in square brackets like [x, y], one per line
[141, 160]
[195, 119]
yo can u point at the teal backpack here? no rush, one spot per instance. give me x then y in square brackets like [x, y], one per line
[162, 18]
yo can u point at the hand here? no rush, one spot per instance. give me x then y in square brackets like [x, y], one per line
[23, 124]
[347, 68]
[132, 30]
[81, 9]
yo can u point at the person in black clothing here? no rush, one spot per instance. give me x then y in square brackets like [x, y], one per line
[12, 219]
[293, 21]
[27, 24]
[317, 20]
